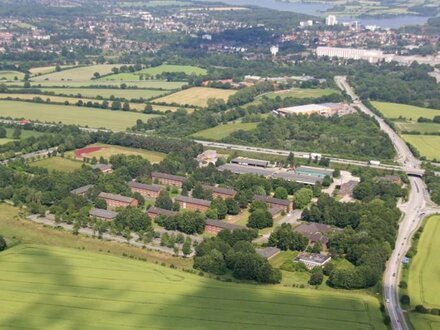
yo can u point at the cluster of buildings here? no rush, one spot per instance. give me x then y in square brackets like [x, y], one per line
[303, 174]
[324, 109]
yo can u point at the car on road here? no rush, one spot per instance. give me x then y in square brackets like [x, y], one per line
[387, 300]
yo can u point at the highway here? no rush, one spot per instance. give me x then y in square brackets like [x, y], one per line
[415, 210]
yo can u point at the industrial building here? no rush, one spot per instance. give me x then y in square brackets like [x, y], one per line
[314, 171]
[312, 260]
[324, 109]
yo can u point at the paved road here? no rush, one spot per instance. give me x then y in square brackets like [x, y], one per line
[416, 209]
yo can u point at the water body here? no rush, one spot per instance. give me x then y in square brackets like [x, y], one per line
[318, 9]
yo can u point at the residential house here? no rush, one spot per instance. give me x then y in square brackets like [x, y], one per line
[275, 202]
[316, 232]
[102, 214]
[153, 212]
[216, 226]
[81, 191]
[223, 193]
[104, 168]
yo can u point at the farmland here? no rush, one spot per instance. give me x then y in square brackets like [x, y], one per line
[423, 285]
[223, 131]
[106, 93]
[46, 284]
[77, 74]
[427, 145]
[419, 127]
[46, 69]
[114, 120]
[196, 96]
[11, 75]
[410, 112]
[106, 151]
[58, 164]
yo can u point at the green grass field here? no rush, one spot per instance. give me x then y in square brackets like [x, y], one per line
[165, 68]
[109, 150]
[78, 74]
[58, 164]
[223, 131]
[423, 283]
[427, 145]
[301, 93]
[11, 75]
[113, 120]
[5, 140]
[420, 127]
[106, 92]
[45, 287]
[196, 96]
[410, 112]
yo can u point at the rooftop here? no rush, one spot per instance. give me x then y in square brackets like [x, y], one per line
[291, 176]
[115, 197]
[311, 169]
[242, 169]
[272, 200]
[159, 211]
[190, 200]
[82, 190]
[102, 167]
[168, 176]
[101, 213]
[250, 162]
[143, 186]
[315, 258]
[220, 190]
[223, 224]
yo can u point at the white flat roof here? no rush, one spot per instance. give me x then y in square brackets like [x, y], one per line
[305, 108]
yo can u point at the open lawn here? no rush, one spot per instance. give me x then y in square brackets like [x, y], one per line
[5, 140]
[427, 145]
[419, 127]
[77, 74]
[156, 84]
[223, 131]
[58, 164]
[45, 287]
[11, 75]
[151, 72]
[410, 112]
[113, 120]
[106, 92]
[423, 283]
[196, 96]
[301, 93]
[106, 151]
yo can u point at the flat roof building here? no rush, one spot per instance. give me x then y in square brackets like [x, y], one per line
[292, 176]
[250, 162]
[314, 171]
[324, 109]
[243, 169]
[268, 252]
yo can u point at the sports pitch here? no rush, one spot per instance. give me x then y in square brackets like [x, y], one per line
[58, 164]
[196, 96]
[106, 151]
[72, 115]
[45, 287]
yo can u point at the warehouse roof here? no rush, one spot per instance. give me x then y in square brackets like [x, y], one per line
[250, 162]
[242, 169]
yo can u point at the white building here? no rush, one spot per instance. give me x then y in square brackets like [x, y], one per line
[331, 20]
[312, 260]
[325, 109]
[370, 55]
[274, 50]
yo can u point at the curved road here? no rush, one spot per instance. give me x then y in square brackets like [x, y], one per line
[416, 209]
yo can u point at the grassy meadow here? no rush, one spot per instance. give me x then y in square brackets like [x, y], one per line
[58, 164]
[155, 84]
[419, 127]
[410, 112]
[427, 145]
[11, 75]
[77, 74]
[223, 131]
[196, 96]
[46, 69]
[73, 115]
